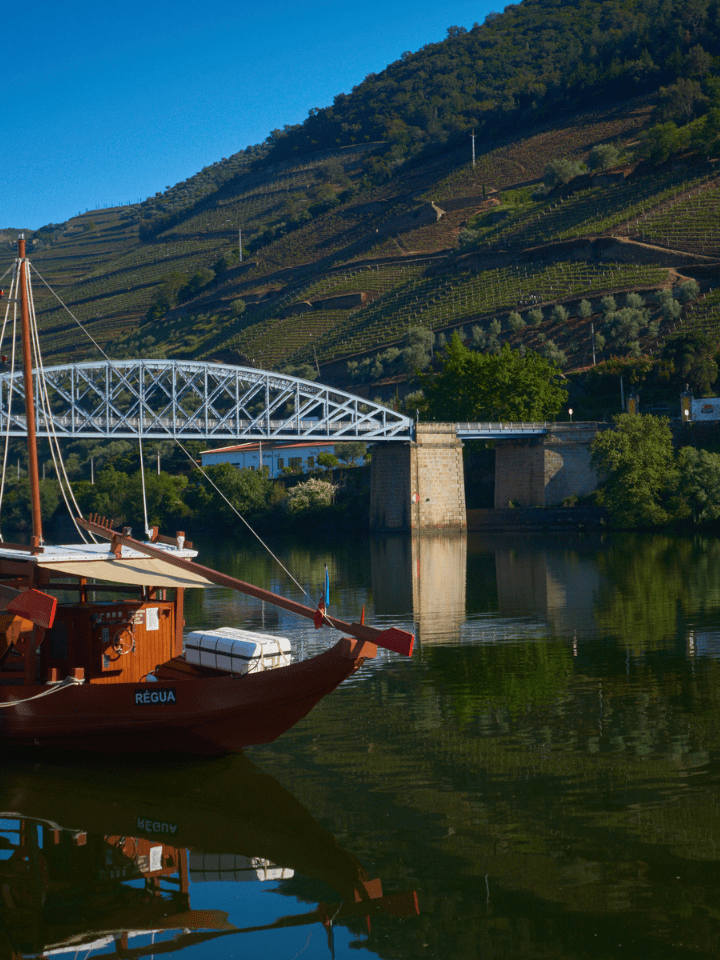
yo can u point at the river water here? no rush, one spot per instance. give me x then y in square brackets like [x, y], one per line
[540, 780]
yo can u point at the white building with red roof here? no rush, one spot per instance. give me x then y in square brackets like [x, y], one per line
[297, 455]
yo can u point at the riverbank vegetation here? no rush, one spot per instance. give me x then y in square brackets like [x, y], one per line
[181, 496]
[648, 480]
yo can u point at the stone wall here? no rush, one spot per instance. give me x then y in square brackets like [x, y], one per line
[545, 472]
[390, 487]
[612, 249]
[438, 478]
[519, 473]
[567, 465]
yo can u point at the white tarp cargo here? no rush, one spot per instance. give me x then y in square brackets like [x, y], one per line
[236, 651]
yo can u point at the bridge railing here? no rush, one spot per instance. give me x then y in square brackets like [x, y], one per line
[502, 429]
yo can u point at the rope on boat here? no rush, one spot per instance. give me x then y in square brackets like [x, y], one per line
[44, 400]
[67, 682]
[13, 297]
[66, 307]
[241, 517]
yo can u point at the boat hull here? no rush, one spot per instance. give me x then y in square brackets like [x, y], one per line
[203, 716]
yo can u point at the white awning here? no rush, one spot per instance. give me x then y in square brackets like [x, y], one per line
[140, 572]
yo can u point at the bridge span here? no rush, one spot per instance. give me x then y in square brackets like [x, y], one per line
[417, 479]
[162, 399]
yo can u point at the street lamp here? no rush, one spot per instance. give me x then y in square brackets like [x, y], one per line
[570, 412]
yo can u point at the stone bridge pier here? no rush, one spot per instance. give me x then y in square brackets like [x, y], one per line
[419, 485]
[545, 471]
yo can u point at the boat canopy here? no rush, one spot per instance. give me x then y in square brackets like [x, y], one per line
[141, 572]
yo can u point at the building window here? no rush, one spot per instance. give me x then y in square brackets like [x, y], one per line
[295, 463]
[311, 463]
[281, 463]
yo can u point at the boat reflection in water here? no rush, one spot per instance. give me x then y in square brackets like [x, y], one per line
[109, 863]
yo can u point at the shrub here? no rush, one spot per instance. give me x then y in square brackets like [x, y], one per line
[634, 300]
[237, 308]
[535, 316]
[467, 238]
[515, 321]
[478, 338]
[558, 314]
[625, 325]
[688, 291]
[585, 309]
[603, 157]
[552, 352]
[558, 172]
[310, 496]
[608, 305]
[417, 352]
[671, 309]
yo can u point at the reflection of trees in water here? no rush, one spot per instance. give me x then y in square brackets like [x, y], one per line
[650, 583]
[582, 797]
[510, 676]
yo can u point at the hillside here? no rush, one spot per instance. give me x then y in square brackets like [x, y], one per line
[367, 228]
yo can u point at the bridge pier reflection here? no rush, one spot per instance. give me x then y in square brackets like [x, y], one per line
[425, 573]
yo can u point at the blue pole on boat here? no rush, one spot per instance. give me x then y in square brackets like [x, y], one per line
[327, 588]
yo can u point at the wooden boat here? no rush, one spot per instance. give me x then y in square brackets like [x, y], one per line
[112, 676]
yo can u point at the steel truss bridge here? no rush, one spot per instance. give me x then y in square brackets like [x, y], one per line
[162, 399]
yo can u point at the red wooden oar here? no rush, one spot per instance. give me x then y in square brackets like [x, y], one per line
[399, 641]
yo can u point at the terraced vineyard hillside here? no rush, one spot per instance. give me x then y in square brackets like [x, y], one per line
[338, 266]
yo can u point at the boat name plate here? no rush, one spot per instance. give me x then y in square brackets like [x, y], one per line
[155, 697]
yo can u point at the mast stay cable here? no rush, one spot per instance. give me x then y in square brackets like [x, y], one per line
[172, 437]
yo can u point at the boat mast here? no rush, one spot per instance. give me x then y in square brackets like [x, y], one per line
[33, 472]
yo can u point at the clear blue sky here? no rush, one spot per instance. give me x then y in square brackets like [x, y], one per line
[107, 104]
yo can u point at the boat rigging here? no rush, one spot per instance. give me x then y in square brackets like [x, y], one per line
[113, 676]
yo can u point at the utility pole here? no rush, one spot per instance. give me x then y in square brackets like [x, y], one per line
[240, 242]
[158, 455]
[472, 137]
[592, 333]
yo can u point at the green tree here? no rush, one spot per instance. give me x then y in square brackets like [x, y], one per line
[603, 157]
[328, 461]
[636, 464]
[558, 172]
[502, 386]
[689, 359]
[417, 349]
[699, 487]
[247, 490]
[352, 450]
[535, 316]
[662, 141]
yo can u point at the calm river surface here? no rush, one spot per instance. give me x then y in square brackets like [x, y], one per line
[540, 780]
